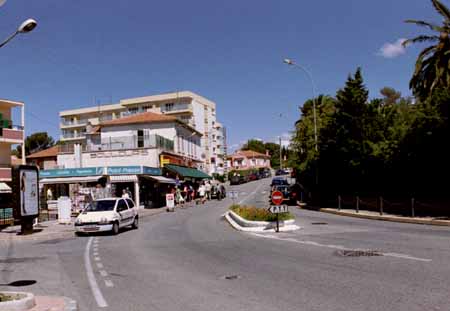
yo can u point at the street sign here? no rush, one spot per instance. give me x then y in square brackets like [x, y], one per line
[277, 198]
[233, 194]
[279, 209]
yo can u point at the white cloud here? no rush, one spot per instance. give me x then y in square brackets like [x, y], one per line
[392, 50]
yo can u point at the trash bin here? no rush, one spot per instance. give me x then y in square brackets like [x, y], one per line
[64, 210]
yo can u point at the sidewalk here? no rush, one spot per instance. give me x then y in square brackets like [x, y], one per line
[51, 229]
[387, 217]
[47, 303]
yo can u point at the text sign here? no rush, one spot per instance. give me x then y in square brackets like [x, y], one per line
[233, 194]
[277, 198]
[72, 172]
[279, 209]
[170, 200]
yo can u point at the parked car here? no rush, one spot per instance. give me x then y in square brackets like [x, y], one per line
[107, 215]
[235, 180]
[218, 192]
[281, 172]
[252, 177]
[279, 181]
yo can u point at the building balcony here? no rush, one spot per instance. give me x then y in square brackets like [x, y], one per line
[131, 142]
[73, 136]
[5, 173]
[13, 134]
[73, 124]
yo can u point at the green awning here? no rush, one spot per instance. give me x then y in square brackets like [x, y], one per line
[187, 171]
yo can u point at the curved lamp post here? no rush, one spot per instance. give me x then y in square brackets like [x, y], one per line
[290, 62]
[25, 27]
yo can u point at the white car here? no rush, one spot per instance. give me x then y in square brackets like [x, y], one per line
[107, 215]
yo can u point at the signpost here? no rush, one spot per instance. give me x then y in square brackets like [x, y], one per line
[277, 208]
[170, 202]
[25, 180]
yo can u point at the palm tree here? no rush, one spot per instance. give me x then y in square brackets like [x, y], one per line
[433, 63]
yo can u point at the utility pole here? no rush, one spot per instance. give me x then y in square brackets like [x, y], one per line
[281, 157]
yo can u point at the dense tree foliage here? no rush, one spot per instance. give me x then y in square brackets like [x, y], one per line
[34, 143]
[389, 145]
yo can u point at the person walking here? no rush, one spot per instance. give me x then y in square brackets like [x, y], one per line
[201, 193]
[208, 188]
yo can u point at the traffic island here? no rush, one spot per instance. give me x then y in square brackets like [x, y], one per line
[253, 219]
[21, 301]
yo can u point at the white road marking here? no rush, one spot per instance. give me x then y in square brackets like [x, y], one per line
[97, 258]
[251, 194]
[103, 273]
[101, 302]
[339, 247]
[99, 265]
[109, 283]
[95, 253]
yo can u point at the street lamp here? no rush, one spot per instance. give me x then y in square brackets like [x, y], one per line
[25, 27]
[290, 62]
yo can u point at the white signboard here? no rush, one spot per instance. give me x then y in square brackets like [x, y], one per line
[170, 200]
[279, 209]
[233, 194]
[29, 191]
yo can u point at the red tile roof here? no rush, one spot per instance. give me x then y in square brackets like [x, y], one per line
[146, 117]
[47, 153]
[248, 154]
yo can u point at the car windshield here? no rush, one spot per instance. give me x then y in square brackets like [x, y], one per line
[101, 206]
[279, 181]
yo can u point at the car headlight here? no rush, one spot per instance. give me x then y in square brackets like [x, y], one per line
[104, 220]
[78, 221]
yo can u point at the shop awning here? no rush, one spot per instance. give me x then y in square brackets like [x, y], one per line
[69, 180]
[4, 188]
[187, 172]
[162, 179]
[123, 178]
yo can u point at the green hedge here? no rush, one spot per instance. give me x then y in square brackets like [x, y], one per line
[253, 213]
[244, 173]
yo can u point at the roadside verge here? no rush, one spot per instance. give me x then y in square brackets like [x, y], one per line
[393, 218]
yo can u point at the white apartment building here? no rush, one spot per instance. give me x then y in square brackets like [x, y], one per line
[188, 107]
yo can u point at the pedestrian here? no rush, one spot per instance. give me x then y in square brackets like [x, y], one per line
[179, 197]
[125, 194]
[208, 188]
[201, 193]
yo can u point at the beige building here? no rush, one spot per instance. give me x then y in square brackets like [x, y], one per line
[188, 107]
[10, 134]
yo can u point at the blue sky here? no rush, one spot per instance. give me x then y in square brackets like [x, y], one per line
[229, 51]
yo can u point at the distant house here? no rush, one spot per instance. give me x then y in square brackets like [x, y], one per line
[248, 159]
[44, 159]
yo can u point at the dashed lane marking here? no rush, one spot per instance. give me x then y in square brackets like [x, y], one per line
[99, 265]
[101, 302]
[109, 283]
[103, 273]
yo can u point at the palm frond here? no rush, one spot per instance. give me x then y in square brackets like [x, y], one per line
[419, 39]
[441, 9]
[426, 24]
[427, 51]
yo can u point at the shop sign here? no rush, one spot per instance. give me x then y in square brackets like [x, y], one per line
[151, 171]
[72, 172]
[124, 170]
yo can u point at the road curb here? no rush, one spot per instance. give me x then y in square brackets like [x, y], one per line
[238, 223]
[433, 222]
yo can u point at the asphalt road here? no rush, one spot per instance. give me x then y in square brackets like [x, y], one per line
[194, 260]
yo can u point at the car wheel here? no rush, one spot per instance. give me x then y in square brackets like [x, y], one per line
[135, 224]
[115, 228]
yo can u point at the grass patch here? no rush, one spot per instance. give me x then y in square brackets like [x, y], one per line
[252, 213]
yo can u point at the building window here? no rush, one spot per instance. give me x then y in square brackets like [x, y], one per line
[140, 142]
[168, 107]
[146, 107]
[133, 110]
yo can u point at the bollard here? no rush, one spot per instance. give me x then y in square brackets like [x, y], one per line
[339, 202]
[357, 204]
[381, 206]
[413, 213]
